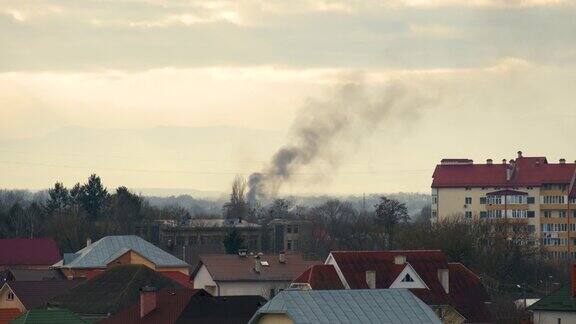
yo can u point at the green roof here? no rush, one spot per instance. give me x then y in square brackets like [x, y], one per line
[112, 290]
[49, 316]
[560, 300]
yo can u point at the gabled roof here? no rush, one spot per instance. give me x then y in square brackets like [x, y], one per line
[112, 290]
[229, 267]
[100, 253]
[529, 171]
[48, 316]
[321, 277]
[8, 314]
[34, 274]
[466, 293]
[31, 252]
[34, 294]
[560, 300]
[349, 306]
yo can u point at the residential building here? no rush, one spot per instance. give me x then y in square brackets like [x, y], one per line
[26, 295]
[112, 291]
[454, 292]
[242, 274]
[169, 306]
[558, 307]
[21, 253]
[527, 194]
[30, 275]
[345, 306]
[112, 251]
[287, 235]
[51, 315]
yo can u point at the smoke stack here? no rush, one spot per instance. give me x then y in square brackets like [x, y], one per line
[503, 161]
[562, 161]
[282, 257]
[88, 242]
[489, 161]
[257, 264]
[519, 154]
[371, 279]
[148, 300]
[443, 277]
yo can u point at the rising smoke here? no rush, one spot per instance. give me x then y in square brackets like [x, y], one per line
[351, 111]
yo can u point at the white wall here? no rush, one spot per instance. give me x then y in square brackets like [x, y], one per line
[203, 279]
[552, 317]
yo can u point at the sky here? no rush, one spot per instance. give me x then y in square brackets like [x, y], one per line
[187, 94]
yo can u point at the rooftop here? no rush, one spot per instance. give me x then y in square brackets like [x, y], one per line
[349, 306]
[34, 294]
[100, 253]
[561, 300]
[33, 252]
[46, 316]
[230, 267]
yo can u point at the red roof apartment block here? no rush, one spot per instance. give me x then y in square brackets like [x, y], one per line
[522, 172]
[28, 253]
[425, 272]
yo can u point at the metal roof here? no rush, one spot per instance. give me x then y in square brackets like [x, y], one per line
[349, 306]
[107, 249]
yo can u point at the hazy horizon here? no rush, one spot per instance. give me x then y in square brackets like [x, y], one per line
[188, 94]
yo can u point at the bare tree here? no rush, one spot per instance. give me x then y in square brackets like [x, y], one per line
[237, 206]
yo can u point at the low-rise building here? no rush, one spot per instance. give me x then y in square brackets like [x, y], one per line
[454, 292]
[22, 253]
[112, 251]
[288, 235]
[559, 307]
[234, 275]
[345, 306]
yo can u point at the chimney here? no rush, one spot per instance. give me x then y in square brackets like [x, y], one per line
[148, 300]
[242, 253]
[489, 161]
[573, 280]
[257, 264]
[503, 161]
[282, 257]
[519, 154]
[399, 259]
[371, 279]
[443, 277]
[562, 161]
[88, 242]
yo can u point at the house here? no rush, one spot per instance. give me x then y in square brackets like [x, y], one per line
[558, 307]
[170, 306]
[44, 316]
[532, 195]
[454, 292]
[112, 251]
[111, 291]
[31, 275]
[289, 234]
[345, 306]
[242, 274]
[21, 253]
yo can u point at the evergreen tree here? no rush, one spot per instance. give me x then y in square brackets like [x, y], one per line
[233, 242]
[59, 197]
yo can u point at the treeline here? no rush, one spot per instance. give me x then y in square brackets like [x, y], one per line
[70, 216]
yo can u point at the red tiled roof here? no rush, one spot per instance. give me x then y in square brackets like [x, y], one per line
[179, 277]
[426, 263]
[19, 251]
[529, 171]
[37, 293]
[321, 277]
[8, 314]
[507, 193]
[229, 267]
[170, 305]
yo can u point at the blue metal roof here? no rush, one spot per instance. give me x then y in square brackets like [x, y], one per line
[349, 306]
[108, 248]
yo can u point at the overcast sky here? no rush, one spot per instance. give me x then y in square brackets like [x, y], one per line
[185, 93]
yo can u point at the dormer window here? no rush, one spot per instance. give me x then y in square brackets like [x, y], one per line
[407, 278]
[10, 296]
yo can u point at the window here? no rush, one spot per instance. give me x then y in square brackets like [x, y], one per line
[494, 200]
[553, 200]
[483, 214]
[468, 200]
[530, 200]
[468, 214]
[10, 296]
[530, 214]
[547, 214]
[516, 199]
[407, 278]
[482, 200]
[434, 199]
[292, 245]
[288, 228]
[562, 214]
[295, 229]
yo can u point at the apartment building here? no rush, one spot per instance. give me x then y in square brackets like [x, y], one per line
[528, 192]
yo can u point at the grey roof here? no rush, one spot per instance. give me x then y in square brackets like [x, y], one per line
[349, 306]
[219, 222]
[108, 248]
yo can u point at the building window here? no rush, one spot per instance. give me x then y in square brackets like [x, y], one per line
[482, 200]
[292, 245]
[483, 214]
[407, 278]
[434, 214]
[530, 200]
[468, 214]
[434, 199]
[530, 214]
[547, 214]
[516, 199]
[553, 200]
[562, 214]
[10, 296]
[468, 200]
[494, 200]
[288, 228]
